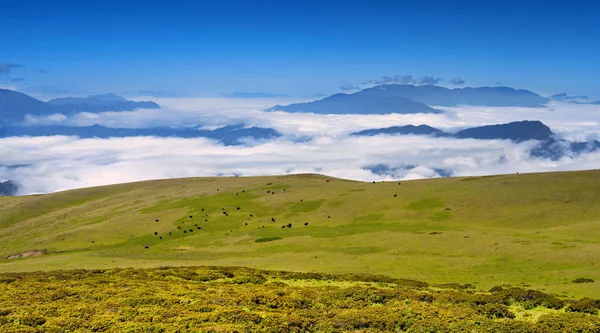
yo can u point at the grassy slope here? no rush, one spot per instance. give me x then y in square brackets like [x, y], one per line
[539, 230]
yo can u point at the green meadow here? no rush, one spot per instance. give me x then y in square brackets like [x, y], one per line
[538, 231]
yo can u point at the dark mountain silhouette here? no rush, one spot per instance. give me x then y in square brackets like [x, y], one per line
[549, 145]
[358, 104]
[229, 135]
[440, 96]
[408, 129]
[516, 131]
[100, 103]
[14, 105]
[405, 98]
[555, 149]
[8, 188]
[563, 97]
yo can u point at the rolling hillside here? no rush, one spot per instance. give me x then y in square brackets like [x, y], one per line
[539, 231]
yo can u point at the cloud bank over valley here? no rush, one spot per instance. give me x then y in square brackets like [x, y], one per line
[308, 143]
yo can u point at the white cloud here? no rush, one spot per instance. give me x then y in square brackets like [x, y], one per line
[59, 163]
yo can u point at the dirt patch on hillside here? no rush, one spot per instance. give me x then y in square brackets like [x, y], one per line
[29, 253]
[183, 248]
[558, 227]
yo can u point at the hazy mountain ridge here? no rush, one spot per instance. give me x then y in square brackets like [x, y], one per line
[550, 145]
[357, 104]
[409, 99]
[15, 105]
[229, 135]
[8, 188]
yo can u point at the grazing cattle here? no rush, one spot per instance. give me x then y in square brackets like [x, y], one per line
[373, 182]
[170, 233]
[191, 216]
[160, 237]
[224, 213]
[178, 227]
[327, 181]
[238, 208]
[236, 193]
[395, 195]
[328, 217]
[217, 189]
[263, 226]
[198, 228]
[282, 227]
[155, 233]
[93, 242]
[301, 200]
[222, 208]
[246, 223]
[243, 191]
[272, 219]
[202, 209]
[185, 232]
[283, 190]
[399, 183]
[305, 223]
[205, 220]
[196, 224]
[289, 225]
[146, 247]
[273, 192]
[268, 191]
[250, 215]
[156, 220]
[191, 230]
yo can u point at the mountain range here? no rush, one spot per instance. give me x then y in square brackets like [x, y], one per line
[549, 146]
[8, 188]
[516, 131]
[14, 105]
[228, 135]
[407, 99]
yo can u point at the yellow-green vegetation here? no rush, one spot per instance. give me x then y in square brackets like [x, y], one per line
[533, 231]
[229, 299]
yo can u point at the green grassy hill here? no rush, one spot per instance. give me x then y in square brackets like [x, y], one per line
[539, 231]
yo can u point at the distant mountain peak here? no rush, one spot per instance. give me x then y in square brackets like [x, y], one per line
[110, 97]
[8, 188]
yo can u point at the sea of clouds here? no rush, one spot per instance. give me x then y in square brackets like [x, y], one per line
[310, 144]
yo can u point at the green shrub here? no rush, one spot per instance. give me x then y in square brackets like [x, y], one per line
[32, 321]
[583, 280]
[585, 305]
[495, 311]
[249, 279]
[266, 239]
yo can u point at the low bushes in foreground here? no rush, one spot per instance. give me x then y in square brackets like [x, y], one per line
[226, 299]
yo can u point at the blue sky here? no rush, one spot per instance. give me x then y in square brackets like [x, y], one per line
[299, 48]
